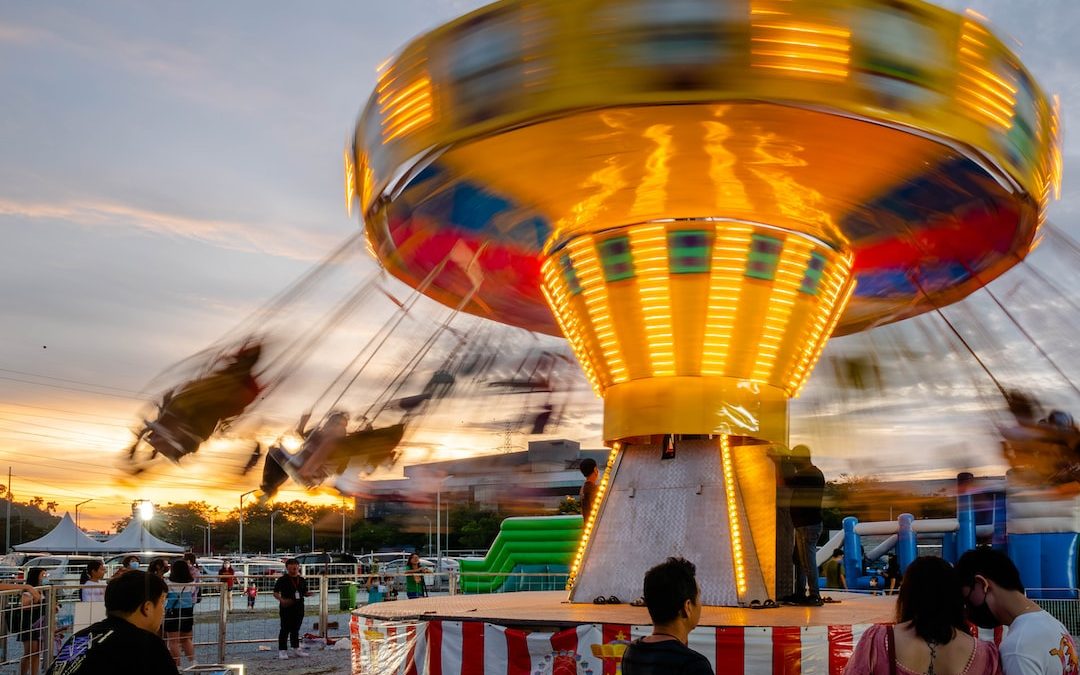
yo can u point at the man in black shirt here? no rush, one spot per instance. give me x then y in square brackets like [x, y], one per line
[807, 489]
[290, 591]
[673, 600]
[587, 494]
[125, 643]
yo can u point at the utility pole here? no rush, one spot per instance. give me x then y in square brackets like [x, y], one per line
[342, 524]
[241, 519]
[7, 519]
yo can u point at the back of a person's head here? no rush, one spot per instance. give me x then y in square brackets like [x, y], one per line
[181, 572]
[837, 552]
[292, 561]
[667, 588]
[994, 565]
[127, 593]
[588, 465]
[931, 600]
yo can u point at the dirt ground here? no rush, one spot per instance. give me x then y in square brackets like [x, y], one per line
[325, 662]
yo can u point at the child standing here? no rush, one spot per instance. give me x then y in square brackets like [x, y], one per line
[251, 592]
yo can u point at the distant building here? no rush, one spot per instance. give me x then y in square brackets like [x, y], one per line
[531, 481]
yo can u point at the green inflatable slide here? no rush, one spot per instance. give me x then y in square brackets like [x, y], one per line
[537, 549]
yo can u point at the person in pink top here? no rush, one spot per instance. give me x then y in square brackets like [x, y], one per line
[930, 634]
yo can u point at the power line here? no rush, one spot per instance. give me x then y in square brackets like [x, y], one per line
[63, 379]
[84, 391]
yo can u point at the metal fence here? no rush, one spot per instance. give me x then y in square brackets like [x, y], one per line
[228, 624]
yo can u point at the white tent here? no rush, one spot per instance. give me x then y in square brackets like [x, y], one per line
[135, 537]
[64, 538]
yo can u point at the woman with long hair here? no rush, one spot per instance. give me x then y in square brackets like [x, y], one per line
[180, 611]
[414, 578]
[930, 635]
[227, 576]
[32, 624]
[92, 582]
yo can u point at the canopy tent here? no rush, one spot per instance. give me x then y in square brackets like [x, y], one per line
[64, 538]
[135, 537]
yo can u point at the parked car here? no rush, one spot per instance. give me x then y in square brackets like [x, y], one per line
[63, 570]
[434, 582]
[322, 562]
[112, 563]
[263, 571]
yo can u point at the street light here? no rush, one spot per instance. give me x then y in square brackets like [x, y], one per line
[242, 519]
[85, 501]
[144, 509]
[428, 519]
[206, 538]
[273, 514]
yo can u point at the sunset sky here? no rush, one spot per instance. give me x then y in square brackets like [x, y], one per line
[167, 168]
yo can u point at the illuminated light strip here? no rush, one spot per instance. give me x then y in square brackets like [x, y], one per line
[583, 255]
[833, 279]
[350, 182]
[556, 294]
[804, 69]
[404, 109]
[786, 284]
[590, 518]
[843, 60]
[838, 310]
[648, 243]
[731, 248]
[1057, 161]
[839, 286]
[737, 557]
[993, 98]
[561, 301]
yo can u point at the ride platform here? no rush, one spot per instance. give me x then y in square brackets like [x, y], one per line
[541, 632]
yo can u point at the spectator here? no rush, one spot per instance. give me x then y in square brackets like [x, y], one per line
[929, 635]
[129, 562]
[92, 582]
[290, 591]
[673, 599]
[414, 578]
[833, 570]
[892, 573]
[587, 494]
[227, 576]
[807, 490]
[32, 623]
[1036, 642]
[126, 642]
[180, 611]
[159, 567]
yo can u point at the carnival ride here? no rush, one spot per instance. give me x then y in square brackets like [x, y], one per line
[697, 195]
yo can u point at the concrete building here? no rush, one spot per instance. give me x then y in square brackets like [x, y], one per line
[532, 481]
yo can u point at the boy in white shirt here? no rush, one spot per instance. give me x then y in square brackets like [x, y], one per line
[1036, 643]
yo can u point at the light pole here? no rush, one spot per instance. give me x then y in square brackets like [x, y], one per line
[428, 519]
[312, 535]
[144, 508]
[206, 538]
[342, 524]
[273, 514]
[241, 519]
[85, 501]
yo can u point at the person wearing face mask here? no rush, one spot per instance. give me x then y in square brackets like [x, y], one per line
[130, 562]
[1036, 643]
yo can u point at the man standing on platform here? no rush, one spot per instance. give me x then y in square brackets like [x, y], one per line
[673, 599]
[588, 488]
[807, 490]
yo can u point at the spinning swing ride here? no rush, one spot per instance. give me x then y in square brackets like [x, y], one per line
[697, 197]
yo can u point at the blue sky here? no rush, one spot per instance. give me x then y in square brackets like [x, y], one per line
[167, 167]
